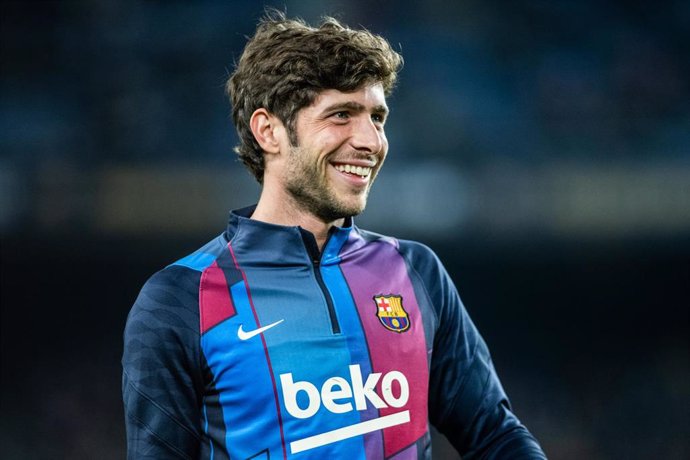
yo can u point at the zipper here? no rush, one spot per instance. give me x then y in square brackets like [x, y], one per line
[335, 326]
[315, 256]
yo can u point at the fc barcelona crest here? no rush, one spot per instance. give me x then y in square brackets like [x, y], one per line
[390, 311]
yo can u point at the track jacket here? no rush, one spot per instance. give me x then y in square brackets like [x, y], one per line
[257, 346]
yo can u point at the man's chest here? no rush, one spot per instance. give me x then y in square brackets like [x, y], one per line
[318, 349]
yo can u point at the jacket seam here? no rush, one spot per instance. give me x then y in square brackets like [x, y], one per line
[155, 435]
[450, 407]
[484, 387]
[423, 283]
[156, 405]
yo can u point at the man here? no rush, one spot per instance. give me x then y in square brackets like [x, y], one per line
[295, 333]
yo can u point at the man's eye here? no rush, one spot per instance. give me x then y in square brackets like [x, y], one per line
[342, 115]
[377, 118]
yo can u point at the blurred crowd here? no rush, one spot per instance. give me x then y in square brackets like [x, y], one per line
[541, 147]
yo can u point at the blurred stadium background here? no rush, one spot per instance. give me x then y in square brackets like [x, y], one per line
[542, 148]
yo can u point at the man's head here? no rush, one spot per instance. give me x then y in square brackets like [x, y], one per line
[287, 64]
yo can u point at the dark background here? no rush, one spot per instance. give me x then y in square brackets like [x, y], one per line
[541, 148]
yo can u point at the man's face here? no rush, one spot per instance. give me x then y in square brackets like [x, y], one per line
[341, 147]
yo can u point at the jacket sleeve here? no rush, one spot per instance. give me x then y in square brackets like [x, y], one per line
[466, 400]
[161, 378]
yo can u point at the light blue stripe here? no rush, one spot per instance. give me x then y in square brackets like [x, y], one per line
[242, 377]
[202, 258]
[198, 261]
[304, 345]
[350, 326]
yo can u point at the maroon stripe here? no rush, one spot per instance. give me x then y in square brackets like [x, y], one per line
[263, 341]
[392, 351]
[215, 303]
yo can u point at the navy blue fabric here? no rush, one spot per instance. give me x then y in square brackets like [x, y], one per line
[162, 380]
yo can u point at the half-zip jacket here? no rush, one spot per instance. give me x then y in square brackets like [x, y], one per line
[258, 346]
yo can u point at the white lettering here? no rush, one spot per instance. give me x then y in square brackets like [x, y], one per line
[329, 396]
[337, 394]
[290, 390]
[387, 389]
[365, 391]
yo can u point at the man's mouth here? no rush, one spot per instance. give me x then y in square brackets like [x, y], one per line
[361, 171]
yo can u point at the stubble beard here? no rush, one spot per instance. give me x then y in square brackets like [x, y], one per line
[312, 193]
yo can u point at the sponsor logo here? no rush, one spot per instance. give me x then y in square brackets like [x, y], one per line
[338, 395]
[390, 311]
[246, 335]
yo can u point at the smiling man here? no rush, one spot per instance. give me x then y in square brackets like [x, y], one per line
[326, 177]
[295, 333]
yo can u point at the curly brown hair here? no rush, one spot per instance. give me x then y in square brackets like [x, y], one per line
[287, 63]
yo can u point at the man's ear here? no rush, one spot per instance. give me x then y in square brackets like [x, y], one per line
[267, 130]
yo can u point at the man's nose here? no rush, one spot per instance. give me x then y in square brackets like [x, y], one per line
[366, 136]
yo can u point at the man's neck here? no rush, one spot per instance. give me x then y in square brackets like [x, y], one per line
[288, 213]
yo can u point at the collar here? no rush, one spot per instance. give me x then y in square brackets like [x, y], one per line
[259, 243]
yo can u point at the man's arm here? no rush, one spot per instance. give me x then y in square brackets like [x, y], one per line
[466, 400]
[466, 396]
[161, 379]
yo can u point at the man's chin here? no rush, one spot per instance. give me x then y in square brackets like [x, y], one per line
[341, 212]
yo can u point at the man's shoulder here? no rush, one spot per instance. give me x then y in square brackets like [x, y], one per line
[178, 283]
[203, 257]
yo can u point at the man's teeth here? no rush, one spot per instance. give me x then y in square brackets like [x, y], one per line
[361, 171]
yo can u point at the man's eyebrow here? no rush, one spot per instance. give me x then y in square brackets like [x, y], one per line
[355, 107]
[382, 109]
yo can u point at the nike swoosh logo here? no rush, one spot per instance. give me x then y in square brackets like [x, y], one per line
[246, 335]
